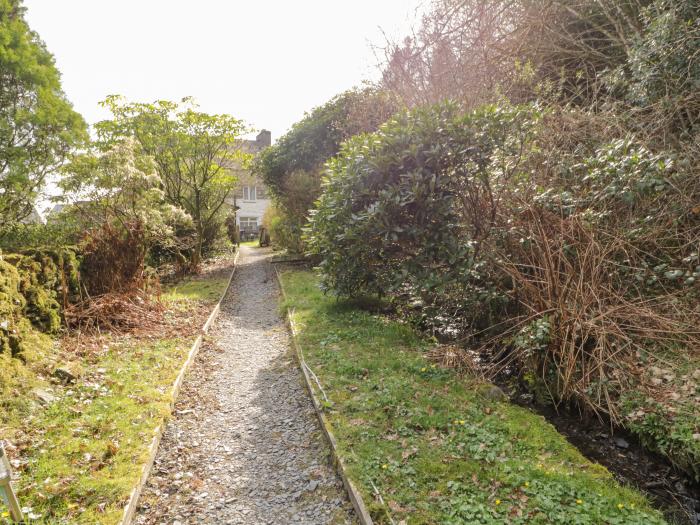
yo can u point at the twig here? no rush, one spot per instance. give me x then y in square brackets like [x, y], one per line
[381, 500]
[303, 360]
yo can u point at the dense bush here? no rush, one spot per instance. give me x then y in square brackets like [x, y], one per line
[636, 58]
[292, 168]
[408, 210]
[283, 231]
[18, 236]
[536, 250]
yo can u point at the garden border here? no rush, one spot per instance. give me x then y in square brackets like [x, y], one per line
[354, 495]
[132, 504]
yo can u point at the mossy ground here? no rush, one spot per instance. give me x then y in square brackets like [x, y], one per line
[80, 456]
[665, 414]
[429, 443]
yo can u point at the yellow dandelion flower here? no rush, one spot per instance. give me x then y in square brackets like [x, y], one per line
[461, 421]
[498, 502]
[385, 466]
[579, 501]
[423, 369]
[5, 514]
[620, 506]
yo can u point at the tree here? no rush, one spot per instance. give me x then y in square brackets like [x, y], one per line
[194, 154]
[38, 126]
[122, 186]
[293, 167]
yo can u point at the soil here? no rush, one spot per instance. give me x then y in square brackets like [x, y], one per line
[671, 491]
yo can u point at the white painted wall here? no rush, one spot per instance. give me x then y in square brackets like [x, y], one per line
[254, 208]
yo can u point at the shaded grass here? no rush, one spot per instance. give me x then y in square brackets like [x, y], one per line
[80, 456]
[433, 444]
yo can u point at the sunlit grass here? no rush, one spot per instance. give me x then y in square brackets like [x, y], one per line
[83, 453]
[195, 290]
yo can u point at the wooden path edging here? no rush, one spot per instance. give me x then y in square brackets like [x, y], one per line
[132, 503]
[354, 495]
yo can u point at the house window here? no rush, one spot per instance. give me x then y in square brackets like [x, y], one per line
[249, 223]
[249, 193]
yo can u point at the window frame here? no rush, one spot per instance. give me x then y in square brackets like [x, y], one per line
[245, 223]
[250, 193]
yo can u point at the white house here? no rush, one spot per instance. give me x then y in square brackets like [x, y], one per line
[251, 198]
[34, 217]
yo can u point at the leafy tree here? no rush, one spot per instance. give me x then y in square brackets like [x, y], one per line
[122, 186]
[38, 126]
[194, 154]
[292, 168]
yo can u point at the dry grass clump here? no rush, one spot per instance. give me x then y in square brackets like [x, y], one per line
[455, 358]
[113, 258]
[584, 325]
[118, 312]
[117, 291]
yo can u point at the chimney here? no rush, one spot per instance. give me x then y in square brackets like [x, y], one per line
[264, 138]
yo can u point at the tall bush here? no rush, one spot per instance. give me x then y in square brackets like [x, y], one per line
[408, 210]
[292, 168]
[194, 155]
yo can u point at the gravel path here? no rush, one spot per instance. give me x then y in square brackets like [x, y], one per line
[244, 445]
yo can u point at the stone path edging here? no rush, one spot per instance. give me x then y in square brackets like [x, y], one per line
[132, 504]
[354, 495]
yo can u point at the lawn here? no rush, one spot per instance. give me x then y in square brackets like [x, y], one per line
[425, 445]
[79, 456]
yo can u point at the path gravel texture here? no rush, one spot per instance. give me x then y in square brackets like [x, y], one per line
[244, 444]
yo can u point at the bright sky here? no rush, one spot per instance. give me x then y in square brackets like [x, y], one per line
[266, 62]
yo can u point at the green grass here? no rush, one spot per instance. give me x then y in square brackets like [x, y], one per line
[83, 454]
[436, 449]
[207, 290]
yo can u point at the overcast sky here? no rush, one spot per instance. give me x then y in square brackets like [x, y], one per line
[266, 62]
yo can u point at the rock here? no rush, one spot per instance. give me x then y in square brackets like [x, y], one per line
[313, 485]
[67, 373]
[621, 443]
[493, 393]
[45, 397]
